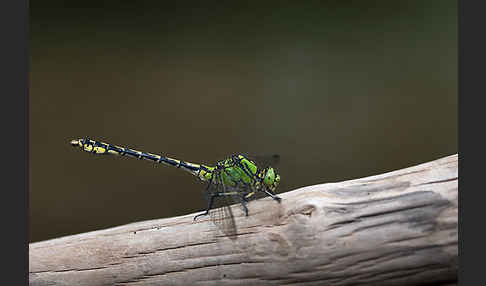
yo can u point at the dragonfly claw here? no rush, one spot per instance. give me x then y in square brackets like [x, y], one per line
[203, 214]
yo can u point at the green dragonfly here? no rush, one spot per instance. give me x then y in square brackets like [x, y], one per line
[238, 177]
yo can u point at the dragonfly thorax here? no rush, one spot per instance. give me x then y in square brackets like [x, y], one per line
[241, 171]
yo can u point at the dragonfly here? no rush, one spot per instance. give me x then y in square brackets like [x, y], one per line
[237, 177]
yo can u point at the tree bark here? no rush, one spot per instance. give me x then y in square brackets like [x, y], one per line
[397, 228]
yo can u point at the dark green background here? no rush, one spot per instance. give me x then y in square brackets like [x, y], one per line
[340, 89]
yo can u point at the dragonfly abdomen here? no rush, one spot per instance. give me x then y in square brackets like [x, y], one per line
[101, 148]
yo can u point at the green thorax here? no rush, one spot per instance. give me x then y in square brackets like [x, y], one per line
[238, 170]
[234, 170]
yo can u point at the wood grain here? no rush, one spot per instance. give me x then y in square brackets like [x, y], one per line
[398, 228]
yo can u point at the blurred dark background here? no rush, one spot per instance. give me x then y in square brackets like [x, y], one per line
[341, 90]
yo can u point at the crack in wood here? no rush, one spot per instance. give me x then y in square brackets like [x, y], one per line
[154, 251]
[392, 211]
[68, 270]
[185, 269]
[437, 182]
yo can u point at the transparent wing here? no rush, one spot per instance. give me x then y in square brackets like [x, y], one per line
[264, 161]
[220, 213]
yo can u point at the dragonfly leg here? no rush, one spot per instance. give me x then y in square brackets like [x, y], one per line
[249, 195]
[203, 214]
[243, 204]
[278, 199]
[210, 204]
[210, 201]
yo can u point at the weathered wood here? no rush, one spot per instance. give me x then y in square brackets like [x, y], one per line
[398, 228]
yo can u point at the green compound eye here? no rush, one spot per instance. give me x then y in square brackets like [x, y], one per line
[269, 177]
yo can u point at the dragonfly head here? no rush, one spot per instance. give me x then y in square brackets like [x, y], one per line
[271, 179]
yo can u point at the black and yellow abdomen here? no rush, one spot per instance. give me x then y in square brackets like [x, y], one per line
[101, 148]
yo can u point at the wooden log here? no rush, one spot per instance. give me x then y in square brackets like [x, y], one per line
[397, 228]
